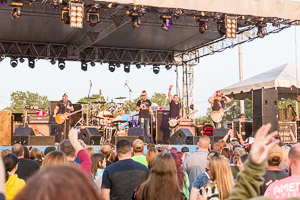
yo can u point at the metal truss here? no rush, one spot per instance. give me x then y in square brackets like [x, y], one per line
[247, 35]
[17, 49]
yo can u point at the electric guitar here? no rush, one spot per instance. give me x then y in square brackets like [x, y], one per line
[61, 118]
[217, 116]
[174, 122]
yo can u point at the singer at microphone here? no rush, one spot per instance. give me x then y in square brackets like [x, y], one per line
[145, 112]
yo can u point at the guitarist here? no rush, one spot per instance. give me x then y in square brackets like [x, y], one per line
[62, 107]
[175, 108]
[218, 102]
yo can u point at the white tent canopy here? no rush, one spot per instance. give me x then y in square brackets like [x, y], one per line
[286, 9]
[282, 78]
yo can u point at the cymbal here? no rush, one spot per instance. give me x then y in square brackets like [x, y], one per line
[100, 102]
[118, 121]
[120, 98]
[80, 102]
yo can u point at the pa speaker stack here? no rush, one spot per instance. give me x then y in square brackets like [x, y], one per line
[182, 136]
[90, 136]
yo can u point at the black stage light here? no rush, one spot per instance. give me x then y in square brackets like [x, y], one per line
[93, 15]
[31, 63]
[138, 66]
[65, 17]
[61, 64]
[155, 69]
[111, 67]
[84, 66]
[118, 65]
[52, 61]
[168, 67]
[93, 64]
[22, 60]
[166, 25]
[17, 9]
[127, 67]
[203, 24]
[261, 29]
[13, 62]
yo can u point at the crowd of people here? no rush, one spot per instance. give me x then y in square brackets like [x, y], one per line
[226, 169]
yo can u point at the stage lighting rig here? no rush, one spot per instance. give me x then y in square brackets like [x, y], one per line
[4, 2]
[76, 9]
[61, 64]
[93, 15]
[93, 64]
[13, 62]
[84, 66]
[31, 63]
[22, 60]
[127, 67]
[136, 15]
[65, 17]
[118, 65]
[138, 66]
[166, 25]
[261, 28]
[155, 69]
[220, 25]
[231, 26]
[1, 59]
[111, 67]
[168, 67]
[203, 24]
[52, 61]
[55, 3]
[177, 13]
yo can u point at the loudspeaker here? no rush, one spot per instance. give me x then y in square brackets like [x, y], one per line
[265, 108]
[135, 131]
[162, 126]
[21, 135]
[90, 136]
[41, 140]
[221, 132]
[192, 128]
[181, 136]
[130, 138]
[243, 127]
[53, 129]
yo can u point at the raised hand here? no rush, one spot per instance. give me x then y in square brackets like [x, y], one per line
[262, 144]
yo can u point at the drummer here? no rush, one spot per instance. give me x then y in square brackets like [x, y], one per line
[123, 117]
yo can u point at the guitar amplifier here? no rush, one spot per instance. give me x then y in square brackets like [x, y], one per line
[33, 119]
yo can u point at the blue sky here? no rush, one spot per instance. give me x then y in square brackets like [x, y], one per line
[213, 72]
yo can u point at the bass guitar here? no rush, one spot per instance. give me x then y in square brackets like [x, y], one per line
[61, 118]
[217, 116]
[174, 122]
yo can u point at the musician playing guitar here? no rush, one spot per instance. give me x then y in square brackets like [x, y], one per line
[63, 106]
[175, 109]
[218, 102]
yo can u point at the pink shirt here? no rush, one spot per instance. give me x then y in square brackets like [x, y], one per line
[285, 188]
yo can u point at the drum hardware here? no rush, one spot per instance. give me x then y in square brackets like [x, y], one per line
[99, 102]
[120, 98]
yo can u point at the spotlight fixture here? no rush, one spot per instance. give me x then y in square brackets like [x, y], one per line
[168, 67]
[166, 25]
[76, 14]
[231, 26]
[220, 26]
[138, 66]
[13, 62]
[52, 61]
[275, 23]
[203, 24]
[261, 29]
[84, 66]
[17, 9]
[111, 67]
[127, 67]
[65, 17]
[118, 65]
[93, 15]
[61, 64]
[31, 63]
[93, 64]
[155, 69]
[22, 60]
[1, 59]
[176, 13]
[55, 3]
[3, 2]
[135, 17]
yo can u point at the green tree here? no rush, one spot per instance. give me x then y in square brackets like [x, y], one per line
[160, 99]
[21, 99]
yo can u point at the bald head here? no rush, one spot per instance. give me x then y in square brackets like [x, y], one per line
[294, 154]
[18, 150]
[204, 142]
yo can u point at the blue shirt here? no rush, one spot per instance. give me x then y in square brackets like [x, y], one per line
[124, 117]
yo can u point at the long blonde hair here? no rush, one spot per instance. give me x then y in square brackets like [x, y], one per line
[221, 175]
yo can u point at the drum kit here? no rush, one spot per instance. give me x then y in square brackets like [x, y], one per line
[101, 115]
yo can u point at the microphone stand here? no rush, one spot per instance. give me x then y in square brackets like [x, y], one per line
[88, 110]
[130, 91]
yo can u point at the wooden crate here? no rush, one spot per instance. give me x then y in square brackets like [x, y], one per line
[5, 127]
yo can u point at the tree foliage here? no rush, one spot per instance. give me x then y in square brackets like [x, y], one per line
[160, 99]
[21, 99]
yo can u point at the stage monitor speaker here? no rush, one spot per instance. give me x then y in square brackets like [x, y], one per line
[221, 132]
[162, 126]
[90, 136]
[192, 128]
[21, 135]
[182, 136]
[265, 108]
[130, 138]
[135, 131]
[41, 140]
